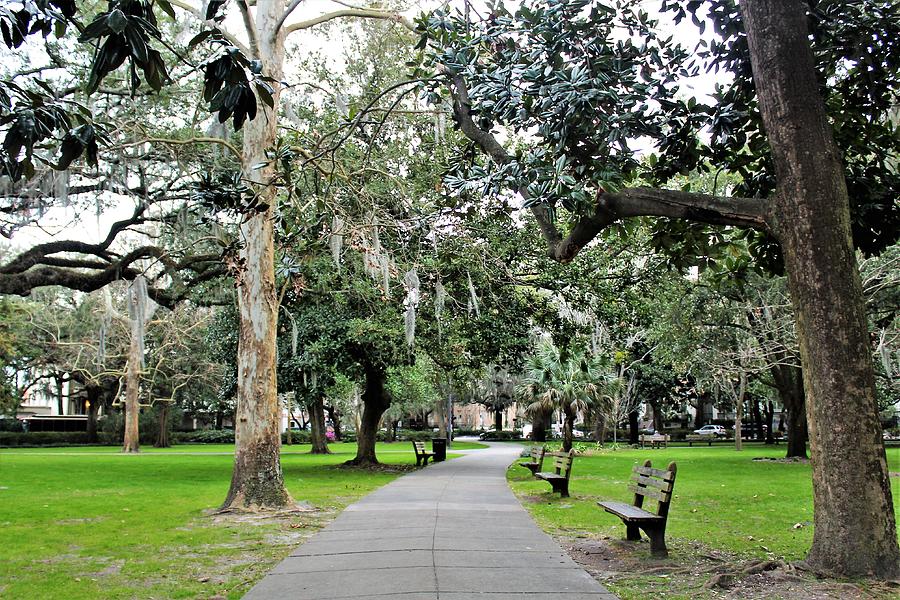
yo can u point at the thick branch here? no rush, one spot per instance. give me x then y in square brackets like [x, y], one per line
[610, 207]
[366, 13]
[36, 255]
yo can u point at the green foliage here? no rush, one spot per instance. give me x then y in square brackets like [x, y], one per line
[205, 436]
[500, 436]
[43, 438]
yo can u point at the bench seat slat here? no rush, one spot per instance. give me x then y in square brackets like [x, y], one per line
[665, 486]
[628, 512]
[649, 471]
[549, 476]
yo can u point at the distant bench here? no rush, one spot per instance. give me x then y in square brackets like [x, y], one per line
[647, 483]
[562, 470]
[656, 440]
[695, 437]
[536, 459]
[422, 455]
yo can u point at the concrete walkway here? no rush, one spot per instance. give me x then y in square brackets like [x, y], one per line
[452, 531]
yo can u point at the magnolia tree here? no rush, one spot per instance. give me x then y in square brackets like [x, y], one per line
[561, 72]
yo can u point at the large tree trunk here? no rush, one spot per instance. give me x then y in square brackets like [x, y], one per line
[375, 400]
[257, 480]
[162, 437]
[855, 533]
[317, 418]
[498, 419]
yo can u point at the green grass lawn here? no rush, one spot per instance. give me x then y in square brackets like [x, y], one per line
[89, 522]
[722, 498]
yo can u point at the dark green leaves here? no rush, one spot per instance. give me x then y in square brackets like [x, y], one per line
[125, 32]
[228, 83]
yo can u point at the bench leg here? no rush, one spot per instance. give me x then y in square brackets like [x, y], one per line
[560, 486]
[632, 532]
[425, 461]
[657, 541]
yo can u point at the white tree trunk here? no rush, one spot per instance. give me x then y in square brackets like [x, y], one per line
[257, 480]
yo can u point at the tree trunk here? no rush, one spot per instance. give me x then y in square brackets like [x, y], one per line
[633, 427]
[539, 421]
[568, 426]
[739, 413]
[769, 414]
[60, 408]
[855, 533]
[131, 443]
[375, 401]
[789, 383]
[317, 419]
[757, 419]
[162, 437]
[440, 414]
[93, 407]
[498, 419]
[335, 417]
[220, 418]
[257, 480]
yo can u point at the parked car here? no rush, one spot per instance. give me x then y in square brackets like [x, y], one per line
[716, 430]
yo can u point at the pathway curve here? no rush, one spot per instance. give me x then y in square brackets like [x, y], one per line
[452, 531]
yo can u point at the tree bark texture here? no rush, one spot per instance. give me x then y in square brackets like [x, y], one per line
[317, 418]
[131, 443]
[789, 383]
[855, 532]
[568, 427]
[498, 419]
[257, 480]
[375, 400]
[335, 417]
[93, 407]
[162, 436]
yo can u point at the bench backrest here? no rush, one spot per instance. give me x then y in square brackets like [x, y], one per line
[537, 454]
[419, 448]
[648, 482]
[562, 462]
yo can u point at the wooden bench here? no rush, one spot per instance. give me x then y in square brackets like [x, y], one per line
[536, 459]
[709, 439]
[656, 440]
[562, 470]
[656, 485]
[422, 455]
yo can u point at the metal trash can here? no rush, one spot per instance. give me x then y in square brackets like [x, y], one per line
[439, 447]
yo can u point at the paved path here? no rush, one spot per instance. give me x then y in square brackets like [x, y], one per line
[452, 531]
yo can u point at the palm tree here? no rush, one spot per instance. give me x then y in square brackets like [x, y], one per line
[571, 383]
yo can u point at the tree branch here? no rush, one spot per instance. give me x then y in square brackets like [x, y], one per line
[610, 207]
[366, 13]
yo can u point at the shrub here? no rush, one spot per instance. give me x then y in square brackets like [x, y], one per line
[205, 436]
[298, 436]
[42, 438]
[12, 425]
[501, 436]
[467, 432]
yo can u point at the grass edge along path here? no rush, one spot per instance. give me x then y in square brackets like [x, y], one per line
[92, 523]
[724, 504]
